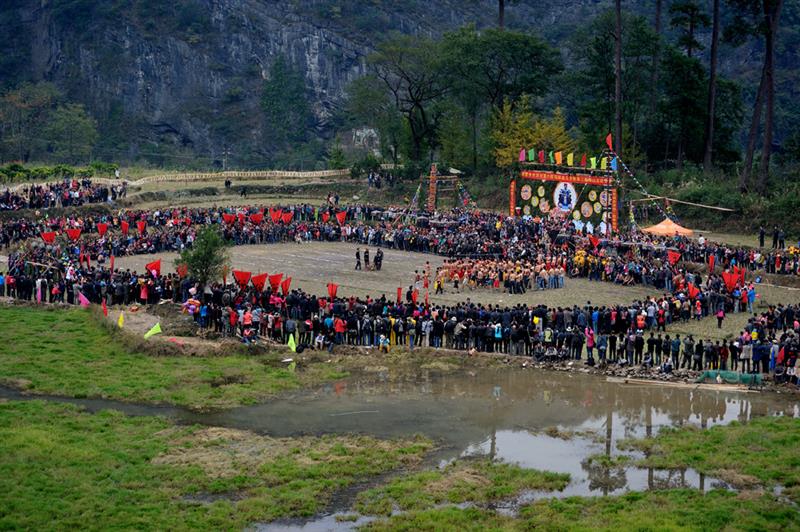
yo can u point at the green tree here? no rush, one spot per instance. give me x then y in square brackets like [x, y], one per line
[287, 113]
[409, 66]
[207, 257]
[688, 17]
[23, 113]
[368, 103]
[71, 133]
[682, 109]
[336, 157]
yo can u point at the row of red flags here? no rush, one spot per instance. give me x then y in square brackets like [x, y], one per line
[276, 281]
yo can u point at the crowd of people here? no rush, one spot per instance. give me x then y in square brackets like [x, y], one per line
[67, 193]
[483, 250]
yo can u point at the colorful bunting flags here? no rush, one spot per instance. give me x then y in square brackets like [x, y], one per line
[614, 164]
[610, 142]
[541, 156]
[49, 237]
[593, 161]
[603, 163]
[558, 157]
[551, 157]
[570, 159]
[583, 160]
[522, 155]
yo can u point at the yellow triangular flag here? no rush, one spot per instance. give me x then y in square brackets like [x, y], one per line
[570, 159]
[594, 162]
[603, 163]
[121, 319]
[558, 157]
[291, 344]
[155, 330]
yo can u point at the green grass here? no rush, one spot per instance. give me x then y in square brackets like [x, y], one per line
[67, 352]
[61, 468]
[475, 481]
[650, 511]
[764, 451]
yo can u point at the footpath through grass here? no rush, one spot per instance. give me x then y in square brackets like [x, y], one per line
[67, 352]
[61, 468]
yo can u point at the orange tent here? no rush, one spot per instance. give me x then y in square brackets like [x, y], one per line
[668, 228]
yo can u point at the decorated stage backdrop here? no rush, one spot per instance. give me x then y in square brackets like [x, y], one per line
[588, 200]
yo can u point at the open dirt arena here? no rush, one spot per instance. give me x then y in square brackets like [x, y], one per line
[313, 265]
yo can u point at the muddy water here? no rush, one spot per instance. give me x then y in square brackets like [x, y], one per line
[539, 419]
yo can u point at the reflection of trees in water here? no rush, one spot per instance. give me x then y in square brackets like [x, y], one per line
[603, 477]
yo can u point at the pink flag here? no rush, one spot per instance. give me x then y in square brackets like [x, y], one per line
[82, 298]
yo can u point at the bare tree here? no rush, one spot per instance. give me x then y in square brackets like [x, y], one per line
[772, 10]
[712, 90]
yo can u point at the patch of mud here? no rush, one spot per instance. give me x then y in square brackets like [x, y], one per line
[226, 380]
[17, 384]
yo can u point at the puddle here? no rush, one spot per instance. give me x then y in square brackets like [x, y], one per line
[539, 419]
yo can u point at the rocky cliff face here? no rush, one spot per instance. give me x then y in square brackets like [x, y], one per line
[185, 76]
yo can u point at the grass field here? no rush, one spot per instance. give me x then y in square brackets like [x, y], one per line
[61, 468]
[67, 352]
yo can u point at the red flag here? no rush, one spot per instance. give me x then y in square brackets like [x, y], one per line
[241, 217]
[693, 291]
[541, 156]
[154, 266]
[610, 142]
[102, 228]
[730, 280]
[326, 216]
[286, 284]
[275, 214]
[228, 218]
[105, 308]
[332, 287]
[594, 240]
[287, 216]
[183, 270]
[741, 275]
[112, 263]
[242, 278]
[583, 161]
[74, 234]
[427, 302]
[673, 256]
[275, 281]
[124, 227]
[49, 237]
[187, 221]
[414, 296]
[399, 294]
[341, 216]
[87, 258]
[258, 281]
[711, 260]
[257, 218]
[141, 225]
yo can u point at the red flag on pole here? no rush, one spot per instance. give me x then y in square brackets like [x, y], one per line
[112, 263]
[286, 284]
[414, 296]
[730, 280]
[287, 216]
[257, 218]
[341, 216]
[124, 227]
[399, 294]
[154, 266]
[610, 142]
[673, 256]
[74, 234]
[326, 216]
[275, 214]
[141, 225]
[711, 260]
[427, 302]
[183, 270]
[594, 240]
[102, 228]
[332, 288]
[228, 218]
[49, 237]
[241, 217]
[242, 278]
[259, 281]
[693, 291]
[275, 281]
[105, 308]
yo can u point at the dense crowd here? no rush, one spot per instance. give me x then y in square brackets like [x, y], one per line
[67, 193]
[483, 250]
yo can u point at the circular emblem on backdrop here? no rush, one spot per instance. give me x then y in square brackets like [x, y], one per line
[544, 206]
[540, 191]
[586, 209]
[592, 195]
[597, 207]
[565, 197]
[526, 210]
[525, 192]
[576, 215]
[535, 201]
[605, 198]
